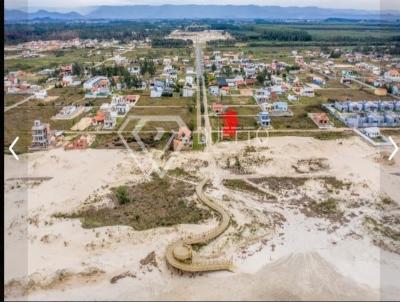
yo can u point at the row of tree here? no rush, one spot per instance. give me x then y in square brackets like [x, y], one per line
[148, 66]
[171, 43]
[125, 31]
[285, 35]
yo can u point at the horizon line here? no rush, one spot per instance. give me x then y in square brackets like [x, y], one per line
[192, 4]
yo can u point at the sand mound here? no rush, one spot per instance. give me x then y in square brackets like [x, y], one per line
[305, 276]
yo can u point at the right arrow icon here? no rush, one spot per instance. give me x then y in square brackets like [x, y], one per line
[396, 148]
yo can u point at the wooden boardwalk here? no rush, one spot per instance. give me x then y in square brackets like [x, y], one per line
[200, 265]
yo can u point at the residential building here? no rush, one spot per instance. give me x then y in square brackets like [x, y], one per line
[40, 135]
[276, 80]
[188, 91]
[213, 90]
[120, 105]
[41, 94]
[189, 80]
[307, 91]
[156, 91]
[96, 82]
[321, 119]
[217, 108]
[119, 60]
[279, 106]
[393, 75]
[372, 132]
[263, 119]
[262, 95]
[221, 82]
[99, 118]
[182, 139]
[134, 70]
[109, 120]
[69, 80]
[318, 81]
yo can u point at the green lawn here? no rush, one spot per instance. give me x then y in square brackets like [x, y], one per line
[10, 99]
[19, 121]
[51, 59]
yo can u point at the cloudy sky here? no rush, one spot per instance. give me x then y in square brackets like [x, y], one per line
[79, 4]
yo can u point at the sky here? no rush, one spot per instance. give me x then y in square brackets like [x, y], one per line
[79, 5]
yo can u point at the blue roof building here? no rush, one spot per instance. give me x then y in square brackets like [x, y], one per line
[263, 119]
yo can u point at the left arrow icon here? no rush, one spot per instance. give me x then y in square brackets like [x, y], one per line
[11, 148]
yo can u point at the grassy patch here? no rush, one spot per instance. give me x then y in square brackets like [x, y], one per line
[279, 184]
[146, 100]
[50, 59]
[332, 183]
[156, 203]
[321, 135]
[196, 142]
[382, 229]
[19, 122]
[345, 94]
[11, 99]
[241, 185]
[387, 200]
[181, 173]
[327, 207]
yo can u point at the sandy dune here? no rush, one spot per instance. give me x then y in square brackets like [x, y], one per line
[299, 258]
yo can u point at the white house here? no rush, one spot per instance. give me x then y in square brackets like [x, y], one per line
[262, 95]
[91, 83]
[109, 121]
[213, 90]
[156, 91]
[120, 60]
[47, 72]
[135, 70]
[189, 80]
[167, 61]
[307, 91]
[292, 98]
[188, 91]
[276, 80]
[372, 132]
[72, 81]
[249, 72]
[120, 105]
[277, 89]
[41, 94]
[190, 71]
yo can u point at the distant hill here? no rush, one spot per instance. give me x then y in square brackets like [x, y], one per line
[226, 11]
[17, 15]
[14, 14]
[133, 12]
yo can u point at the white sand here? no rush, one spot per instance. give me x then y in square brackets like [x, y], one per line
[308, 261]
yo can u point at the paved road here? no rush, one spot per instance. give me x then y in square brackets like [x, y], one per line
[200, 75]
[199, 71]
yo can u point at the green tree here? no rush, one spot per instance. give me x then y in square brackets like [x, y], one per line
[227, 70]
[122, 195]
[238, 166]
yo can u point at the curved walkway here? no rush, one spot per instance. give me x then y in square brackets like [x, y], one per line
[179, 254]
